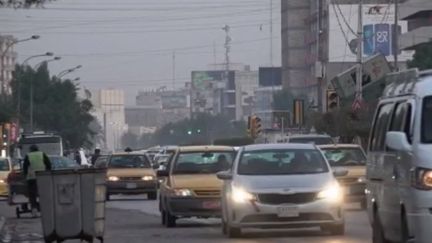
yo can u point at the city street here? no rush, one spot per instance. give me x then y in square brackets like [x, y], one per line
[133, 220]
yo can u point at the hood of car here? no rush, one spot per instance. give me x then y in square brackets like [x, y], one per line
[284, 183]
[196, 181]
[132, 172]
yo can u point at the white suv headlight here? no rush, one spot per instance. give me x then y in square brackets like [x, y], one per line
[332, 194]
[113, 178]
[239, 195]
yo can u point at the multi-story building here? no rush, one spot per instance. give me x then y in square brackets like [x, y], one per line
[109, 107]
[7, 62]
[418, 14]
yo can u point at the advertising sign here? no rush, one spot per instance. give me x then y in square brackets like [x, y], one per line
[174, 101]
[378, 30]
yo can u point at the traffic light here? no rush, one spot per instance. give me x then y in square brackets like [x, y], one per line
[254, 126]
[332, 100]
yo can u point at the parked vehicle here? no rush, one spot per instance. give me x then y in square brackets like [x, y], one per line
[399, 168]
[191, 188]
[281, 185]
[50, 144]
[352, 158]
[5, 169]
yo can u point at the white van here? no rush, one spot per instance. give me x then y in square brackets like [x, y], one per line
[399, 167]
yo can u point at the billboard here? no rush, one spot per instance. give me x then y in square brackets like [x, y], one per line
[378, 30]
[174, 101]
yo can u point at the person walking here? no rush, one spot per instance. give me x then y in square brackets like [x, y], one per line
[34, 161]
[95, 156]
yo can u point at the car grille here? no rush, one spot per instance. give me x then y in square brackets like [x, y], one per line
[275, 218]
[344, 181]
[276, 199]
[207, 193]
[130, 178]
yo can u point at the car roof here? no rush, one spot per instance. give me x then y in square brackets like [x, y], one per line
[205, 148]
[339, 146]
[309, 136]
[128, 153]
[279, 146]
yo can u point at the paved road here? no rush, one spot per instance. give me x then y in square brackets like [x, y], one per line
[201, 230]
[134, 220]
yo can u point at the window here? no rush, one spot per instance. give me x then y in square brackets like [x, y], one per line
[4, 165]
[282, 162]
[345, 156]
[426, 120]
[377, 142]
[208, 162]
[129, 161]
[402, 119]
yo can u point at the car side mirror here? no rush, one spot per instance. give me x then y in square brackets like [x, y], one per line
[398, 141]
[224, 175]
[162, 173]
[340, 172]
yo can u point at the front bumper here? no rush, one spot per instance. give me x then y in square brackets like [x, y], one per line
[131, 187]
[257, 215]
[354, 192]
[194, 207]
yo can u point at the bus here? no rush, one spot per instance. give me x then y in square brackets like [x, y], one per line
[50, 144]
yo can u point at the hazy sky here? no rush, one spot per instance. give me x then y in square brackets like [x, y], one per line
[129, 44]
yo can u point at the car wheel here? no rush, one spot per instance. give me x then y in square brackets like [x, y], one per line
[233, 232]
[377, 230]
[152, 195]
[334, 229]
[363, 204]
[404, 230]
[170, 220]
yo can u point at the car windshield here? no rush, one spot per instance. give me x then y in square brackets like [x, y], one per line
[314, 140]
[282, 162]
[129, 161]
[426, 119]
[345, 156]
[48, 148]
[208, 162]
[4, 165]
[62, 163]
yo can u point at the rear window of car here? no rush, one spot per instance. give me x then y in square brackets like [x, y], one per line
[4, 165]
[314, 140]
[129, 161]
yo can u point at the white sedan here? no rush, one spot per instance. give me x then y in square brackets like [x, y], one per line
[281, 185]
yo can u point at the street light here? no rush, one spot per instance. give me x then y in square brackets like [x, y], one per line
[31, 85]
[3, 54]
[67, 71]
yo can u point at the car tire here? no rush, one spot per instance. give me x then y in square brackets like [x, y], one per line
[363, 204]
[404, 230]
[377, 230]
[334, 229]
[170, 220]
[234, 232]
[152, 195]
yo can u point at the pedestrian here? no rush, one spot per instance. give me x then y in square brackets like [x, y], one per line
[78, 157]
[95, 156]
[34, 161]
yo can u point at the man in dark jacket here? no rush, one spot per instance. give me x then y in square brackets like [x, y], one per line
[34, 161]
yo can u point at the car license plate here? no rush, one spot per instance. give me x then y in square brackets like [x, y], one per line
[211, 205]
[288, 211]
[131, 186]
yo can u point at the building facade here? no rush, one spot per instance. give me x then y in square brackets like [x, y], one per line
[418, 14]
[7, 62]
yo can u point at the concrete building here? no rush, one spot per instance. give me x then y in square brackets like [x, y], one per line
[109, 107]
[418, 13]
[7, 62]
[305, 29]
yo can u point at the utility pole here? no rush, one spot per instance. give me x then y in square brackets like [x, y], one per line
[214, 54]
[359, 95]
[174, 69]
[271, 33]
[396, 36]
[227, 46]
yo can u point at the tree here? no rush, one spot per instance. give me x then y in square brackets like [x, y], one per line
[22, 3]
[422, 57]
[6, 109]
[57, 107]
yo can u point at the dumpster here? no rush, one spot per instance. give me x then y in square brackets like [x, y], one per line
[72, 204]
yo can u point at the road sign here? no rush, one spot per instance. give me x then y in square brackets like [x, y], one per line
[374, 69]
[357, 104]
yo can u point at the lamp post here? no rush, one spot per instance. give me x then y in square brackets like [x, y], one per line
[3, 55]
[31, 85]
[67, 71]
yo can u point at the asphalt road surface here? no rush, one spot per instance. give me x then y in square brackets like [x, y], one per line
[205, 230]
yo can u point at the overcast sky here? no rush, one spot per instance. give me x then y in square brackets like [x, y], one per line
[129, 44]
